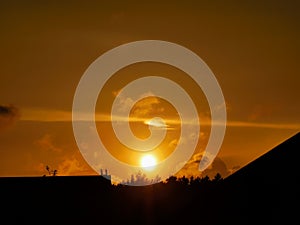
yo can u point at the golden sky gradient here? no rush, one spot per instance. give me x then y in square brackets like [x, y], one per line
[251, 47]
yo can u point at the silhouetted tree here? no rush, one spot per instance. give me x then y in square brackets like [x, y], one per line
[54, 173]
[51, 172]
[48, 169]
[205, 180]
[191, 180]
[171, 179]
[195, 181]
[183, 180]
[141, 179]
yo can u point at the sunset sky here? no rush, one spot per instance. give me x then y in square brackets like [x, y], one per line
[252, 47]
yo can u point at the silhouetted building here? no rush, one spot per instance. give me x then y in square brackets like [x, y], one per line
[266, 189]
[105, 175]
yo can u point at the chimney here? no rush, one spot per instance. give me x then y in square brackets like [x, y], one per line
[105, 171]
[101, 172]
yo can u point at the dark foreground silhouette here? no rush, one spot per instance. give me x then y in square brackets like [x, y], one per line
[266, 191]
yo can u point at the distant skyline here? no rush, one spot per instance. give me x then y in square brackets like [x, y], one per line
[252, 48]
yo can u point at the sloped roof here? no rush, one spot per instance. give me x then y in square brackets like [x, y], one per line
[281, 162]
[266, 190]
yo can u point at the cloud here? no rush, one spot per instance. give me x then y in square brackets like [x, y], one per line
[234, 169]
[124, 104]
[173, 143]
[217, 166]
[287, 126]
[260, 111]
[46, 143]
[148, 104]
[46, 115]
[60, 158]
[9, 114]
[66, 167]
[191, 167]
[72, 166]
[139, 115]
[40, 168]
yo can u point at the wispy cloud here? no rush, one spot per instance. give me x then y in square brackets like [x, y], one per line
[50, 115]
[45, 115]
[288, 126]
[46, 144]
[72, 166]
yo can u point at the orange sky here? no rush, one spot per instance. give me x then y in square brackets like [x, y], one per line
[252, 48]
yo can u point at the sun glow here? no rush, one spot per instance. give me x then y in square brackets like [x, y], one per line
[148, 161]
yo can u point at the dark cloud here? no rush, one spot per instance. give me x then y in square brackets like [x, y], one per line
[8, 110]
[217, 166]
[9, 114]
[234, 169]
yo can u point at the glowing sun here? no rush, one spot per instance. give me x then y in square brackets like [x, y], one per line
[148, 161]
